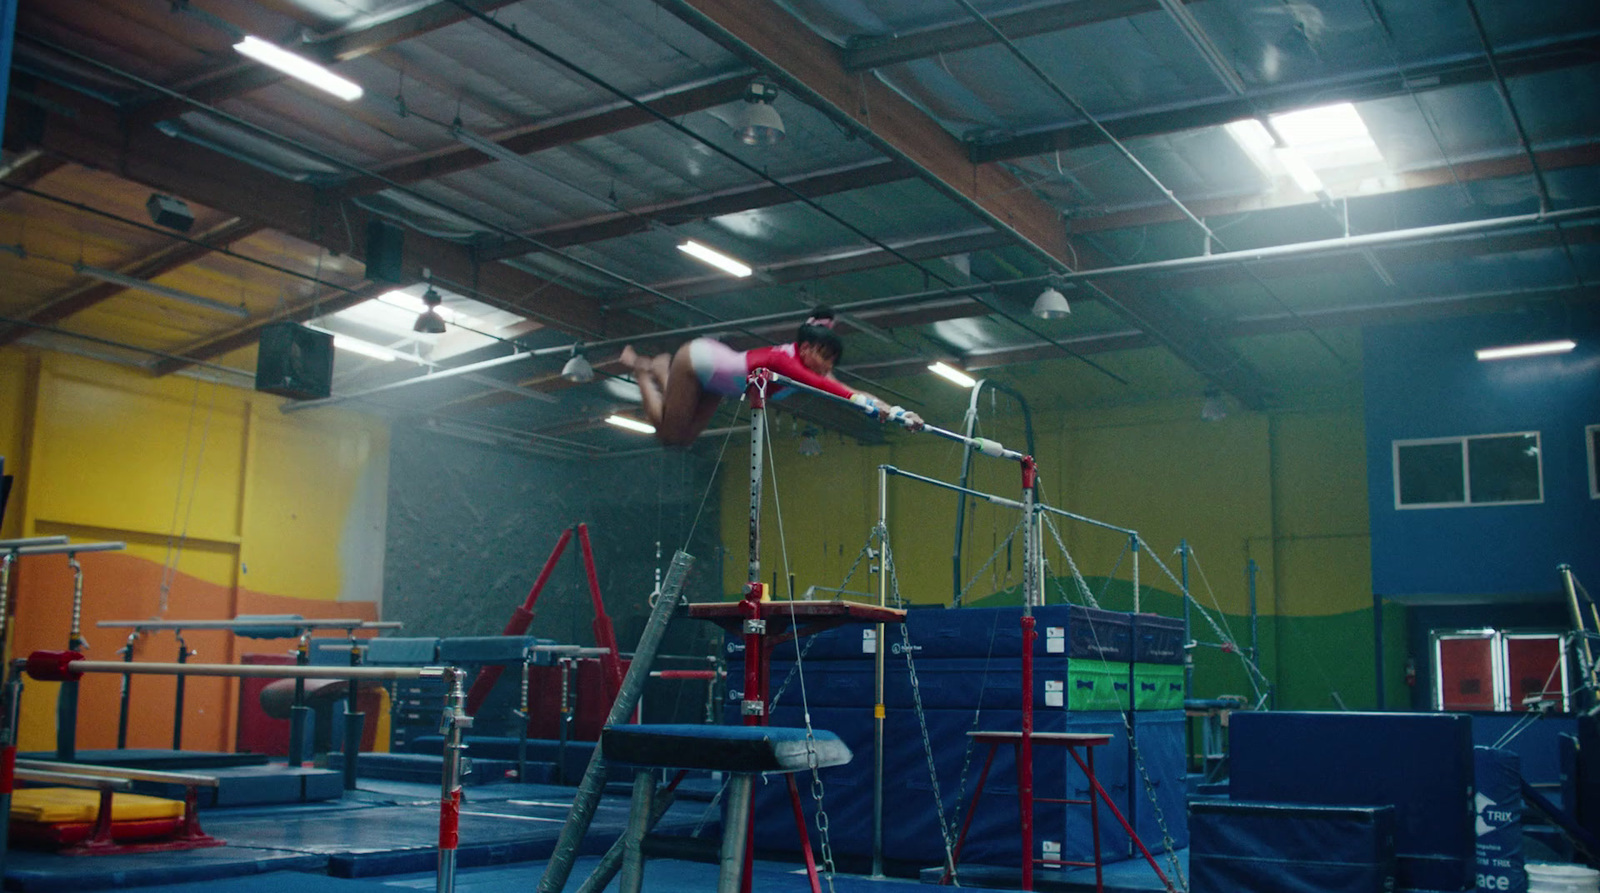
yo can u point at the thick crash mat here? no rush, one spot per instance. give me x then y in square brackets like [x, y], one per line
[156, 759]
[1421, 763]
[58, 805]
[58, 817]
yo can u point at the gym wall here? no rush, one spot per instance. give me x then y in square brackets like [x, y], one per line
[277, 513]
[1287, 489]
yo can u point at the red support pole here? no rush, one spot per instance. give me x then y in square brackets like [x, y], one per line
[520, 620]
[604, 635]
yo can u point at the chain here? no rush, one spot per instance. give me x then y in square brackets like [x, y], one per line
[822, 814]
[1167, 842]
[1258, 679]
[916, 702]
[1077, 576]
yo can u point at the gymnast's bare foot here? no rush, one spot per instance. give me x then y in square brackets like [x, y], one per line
[630, 357]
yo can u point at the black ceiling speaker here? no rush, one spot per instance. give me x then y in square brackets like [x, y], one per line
[385, 247]
[295, 362]
[169, 211]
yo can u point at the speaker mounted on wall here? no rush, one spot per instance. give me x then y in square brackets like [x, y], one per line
[295, 361]
[385, 250]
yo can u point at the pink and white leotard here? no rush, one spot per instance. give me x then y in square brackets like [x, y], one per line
[722, 370]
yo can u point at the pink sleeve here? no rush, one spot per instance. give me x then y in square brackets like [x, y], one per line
[786, 364]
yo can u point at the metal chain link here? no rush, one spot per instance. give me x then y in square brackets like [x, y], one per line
[1077, 576]
[822, 814]
[1167, 841]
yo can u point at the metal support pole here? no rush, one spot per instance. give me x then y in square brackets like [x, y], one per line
[588, 796]
[354, 720]
[9, 715]
[67, 698]
[1030, 584]
[878, 711]
[1133, 544]
[299, 714]
[564, 731]
[127, 691]
[735, 832]
[1569, 585]
[521, 713]
[177, 702]
[1251, 569]
[644, 789]
[454, 720]
[1188, 654]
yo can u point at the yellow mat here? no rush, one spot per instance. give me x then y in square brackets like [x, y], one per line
[54, 806]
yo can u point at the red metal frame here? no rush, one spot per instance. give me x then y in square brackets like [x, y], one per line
[188, 837]
[520, 620]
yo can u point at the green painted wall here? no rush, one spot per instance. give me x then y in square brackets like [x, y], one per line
[1285, 489]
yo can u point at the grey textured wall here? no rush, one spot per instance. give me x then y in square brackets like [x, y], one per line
[470, 526]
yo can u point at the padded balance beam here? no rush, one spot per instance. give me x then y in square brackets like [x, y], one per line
[69, 666]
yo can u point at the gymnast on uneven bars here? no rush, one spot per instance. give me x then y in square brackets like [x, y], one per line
[681, 391]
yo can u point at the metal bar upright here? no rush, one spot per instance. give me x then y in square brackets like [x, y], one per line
[1251, 569]
[1031, 581]
[1586, 656]
[354, 720]
[67, 698]
[452, 723]
[178, 691]
[299, 713]
[127, 691]
[878, 712]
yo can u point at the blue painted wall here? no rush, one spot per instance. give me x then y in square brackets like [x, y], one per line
[1422, 380]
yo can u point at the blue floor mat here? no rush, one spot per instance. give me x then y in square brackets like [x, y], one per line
[1128, 876]
[660, 876]
[275, 882]
[32, 871]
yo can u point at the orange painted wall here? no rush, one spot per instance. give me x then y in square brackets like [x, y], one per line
[238, 507]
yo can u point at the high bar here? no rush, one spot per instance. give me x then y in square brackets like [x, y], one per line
[989, 497]
[898, 414]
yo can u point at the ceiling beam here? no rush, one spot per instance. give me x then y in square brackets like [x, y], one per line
[770, 39]
[553, 132]
[82, 296]
[246, 334]
[95, 138]
[238, 76]
[729, 201]
[1357, 87]
[864, 52]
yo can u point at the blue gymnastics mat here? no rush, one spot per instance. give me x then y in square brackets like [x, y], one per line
[29, 871]
[660, 876]
[275, 882]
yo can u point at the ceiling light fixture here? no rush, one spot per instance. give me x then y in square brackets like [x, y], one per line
[298, 67]
[953, 374]
[429, 322]
[715, 258]
[1525, 350]
[622, 421]
[115, 278]
[364, 348]
[1051, 304]
[577, 369]
[756, 122]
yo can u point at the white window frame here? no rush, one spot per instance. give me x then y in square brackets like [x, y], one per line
[1466, 470]
[1589, 435]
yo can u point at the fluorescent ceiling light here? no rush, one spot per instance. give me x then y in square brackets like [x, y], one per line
[953, 374]
[622, 421]
[298, 67]
[715, 258]
[1526, 350]
[115, 278]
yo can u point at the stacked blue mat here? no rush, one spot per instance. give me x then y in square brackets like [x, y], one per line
[1421, 765]
[968, 668]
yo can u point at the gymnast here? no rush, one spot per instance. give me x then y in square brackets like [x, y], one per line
[681, 391]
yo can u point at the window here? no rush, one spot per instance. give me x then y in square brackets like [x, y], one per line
[1491, 469]
[1591, 436]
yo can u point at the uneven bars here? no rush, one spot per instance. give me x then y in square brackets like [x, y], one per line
[265, 623]
[989, 497]
[898, 414]
[65, 666]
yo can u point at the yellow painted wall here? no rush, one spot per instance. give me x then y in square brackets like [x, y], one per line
[227, 505]
[1286, 489]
